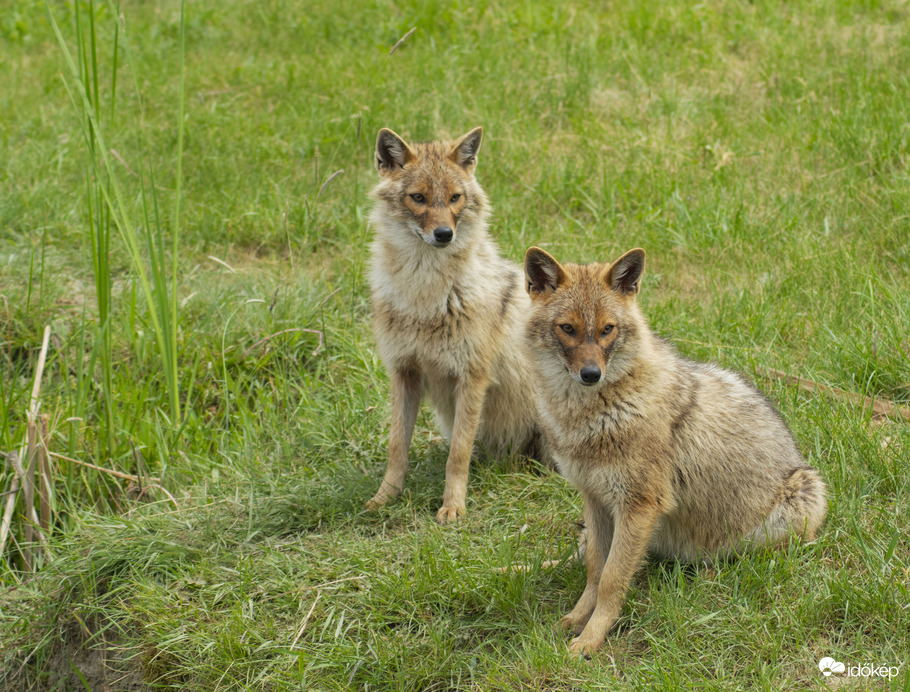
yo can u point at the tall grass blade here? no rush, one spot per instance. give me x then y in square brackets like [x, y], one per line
[112, 208]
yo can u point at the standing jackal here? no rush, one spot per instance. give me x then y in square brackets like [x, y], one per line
[682, 459]
[448, 312]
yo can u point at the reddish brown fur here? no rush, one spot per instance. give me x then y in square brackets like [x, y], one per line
[681, 459]
[433, 184]
[448, 316]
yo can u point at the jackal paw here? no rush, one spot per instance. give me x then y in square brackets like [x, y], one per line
[449, 514]
[584, 647]
[379, 500]
[572, 623]
[568, 622]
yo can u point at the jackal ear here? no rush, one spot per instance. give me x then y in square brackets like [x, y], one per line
[544, 274]
[464, 151]
[625, 273]
[392, 151]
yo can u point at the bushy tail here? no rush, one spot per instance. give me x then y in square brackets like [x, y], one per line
[805, 501]
[801, 507]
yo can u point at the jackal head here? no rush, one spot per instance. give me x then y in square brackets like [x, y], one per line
[427, 190]
[584, 320]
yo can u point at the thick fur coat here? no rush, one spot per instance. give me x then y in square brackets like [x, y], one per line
[448, 313]
[680, 459]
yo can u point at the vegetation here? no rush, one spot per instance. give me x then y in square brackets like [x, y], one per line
[171, 205]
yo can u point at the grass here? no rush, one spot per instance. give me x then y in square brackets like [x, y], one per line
[757, 151]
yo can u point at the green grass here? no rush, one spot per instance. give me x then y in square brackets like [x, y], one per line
[757, 151]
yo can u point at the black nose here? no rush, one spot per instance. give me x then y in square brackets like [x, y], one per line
[443, 234]
[590, 374]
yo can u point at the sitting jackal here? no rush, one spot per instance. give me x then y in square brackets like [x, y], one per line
[448, 313]
[681, 459]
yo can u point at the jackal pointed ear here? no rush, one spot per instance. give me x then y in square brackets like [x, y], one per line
[625, 273]
[392, 152]
[544, 274]
[464, 151]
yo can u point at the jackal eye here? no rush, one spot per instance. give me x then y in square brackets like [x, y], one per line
[609, 328]
[419, 198]
[455, 198]
[567, 328]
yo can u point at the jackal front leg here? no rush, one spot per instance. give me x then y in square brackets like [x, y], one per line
[470, 391]
[633, 529]
[599, 529]
[406, 391]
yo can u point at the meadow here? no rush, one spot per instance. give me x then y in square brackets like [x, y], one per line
[184, 201]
